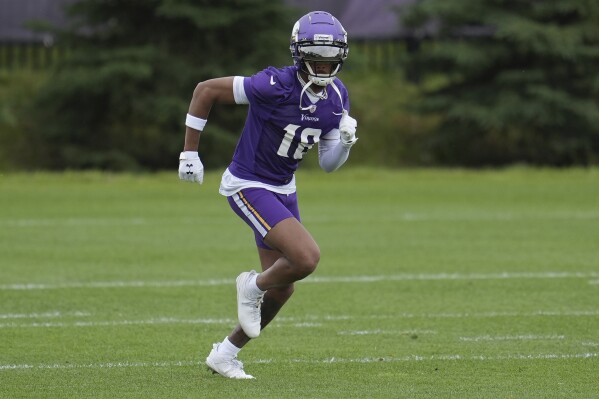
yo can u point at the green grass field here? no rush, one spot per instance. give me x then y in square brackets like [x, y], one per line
[432, 284]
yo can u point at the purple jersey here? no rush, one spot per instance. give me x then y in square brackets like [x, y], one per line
[277, 133]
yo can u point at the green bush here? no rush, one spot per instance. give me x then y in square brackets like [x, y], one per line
[388, 134]
[17, 88]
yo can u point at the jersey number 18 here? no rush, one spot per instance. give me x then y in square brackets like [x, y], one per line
[295, 147]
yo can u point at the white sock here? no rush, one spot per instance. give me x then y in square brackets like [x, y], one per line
[228, 349]
[254, 286]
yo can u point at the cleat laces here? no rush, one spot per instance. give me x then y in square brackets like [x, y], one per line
[255, 305]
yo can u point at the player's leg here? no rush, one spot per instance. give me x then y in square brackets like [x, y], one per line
[274, 299]
[288, 248]
[300, 255]
[223, 357]
[274, 218]
[279, 235]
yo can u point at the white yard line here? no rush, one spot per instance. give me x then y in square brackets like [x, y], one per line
[528, 337]
[314, 279]
[304, 322]
[404, 217]
[536, 313]
[386, 332]
[115, 323]
[495, 216]
[45, 315]
[410, 358]
[117, 284]
[73, 222]
[454, 276]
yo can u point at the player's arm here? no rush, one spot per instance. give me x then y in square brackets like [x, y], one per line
[333, 148]
[205, 95]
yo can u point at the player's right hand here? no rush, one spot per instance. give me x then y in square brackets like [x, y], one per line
[190, 167]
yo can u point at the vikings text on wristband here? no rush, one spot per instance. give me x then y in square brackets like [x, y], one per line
[195, 123]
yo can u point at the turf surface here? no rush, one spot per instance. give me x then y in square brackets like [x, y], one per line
[432, 284]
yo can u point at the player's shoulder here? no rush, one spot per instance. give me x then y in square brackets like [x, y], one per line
[272, 76]
[340, 85]
[274, 82]
[287, 75]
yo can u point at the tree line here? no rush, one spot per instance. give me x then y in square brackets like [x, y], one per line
[488, 82]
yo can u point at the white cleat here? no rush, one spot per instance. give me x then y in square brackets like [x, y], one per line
[248, 305]
[225, 366]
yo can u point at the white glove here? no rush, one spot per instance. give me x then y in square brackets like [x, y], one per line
[190, 167]
[347, 129]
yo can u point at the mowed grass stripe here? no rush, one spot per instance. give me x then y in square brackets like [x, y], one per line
[403, 217]
[333, 360]
[304, 322]
[317, 279]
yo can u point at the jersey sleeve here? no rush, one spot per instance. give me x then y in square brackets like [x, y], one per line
[239, 90]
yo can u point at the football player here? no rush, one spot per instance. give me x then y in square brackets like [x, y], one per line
[290, 110]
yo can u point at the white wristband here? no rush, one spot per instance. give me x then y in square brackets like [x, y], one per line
[195, 123]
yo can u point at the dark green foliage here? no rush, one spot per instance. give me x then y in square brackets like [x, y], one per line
[515, 81]
[119, 100]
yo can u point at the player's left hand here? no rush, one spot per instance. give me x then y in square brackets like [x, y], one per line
[347, 130]
[190, 167]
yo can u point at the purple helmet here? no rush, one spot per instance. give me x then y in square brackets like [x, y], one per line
[319, 37]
